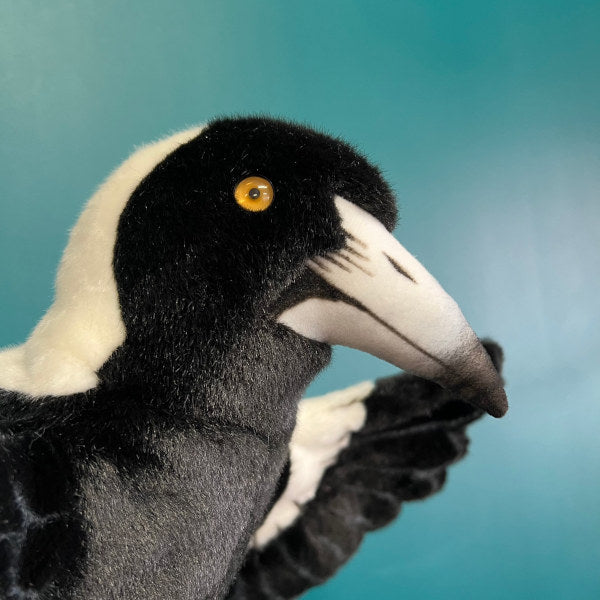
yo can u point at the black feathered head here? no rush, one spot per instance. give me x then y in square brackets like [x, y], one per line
[252, 221]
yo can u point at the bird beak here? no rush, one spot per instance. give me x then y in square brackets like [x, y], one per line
[378, 298]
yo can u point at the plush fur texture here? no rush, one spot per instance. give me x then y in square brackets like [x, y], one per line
[323, 429]
[414, 430]
[143, 440]
[83, 326]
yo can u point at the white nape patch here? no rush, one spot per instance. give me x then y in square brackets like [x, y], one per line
[323, 428]
[83, 326]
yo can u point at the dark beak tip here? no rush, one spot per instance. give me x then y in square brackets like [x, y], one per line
[495, 403]
[498, 411]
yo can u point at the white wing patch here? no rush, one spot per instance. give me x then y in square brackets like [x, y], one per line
[83, 326]
[323, 429]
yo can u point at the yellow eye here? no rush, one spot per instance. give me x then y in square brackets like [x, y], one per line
[254, 193]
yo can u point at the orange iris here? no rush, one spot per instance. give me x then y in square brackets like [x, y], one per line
[254, 193]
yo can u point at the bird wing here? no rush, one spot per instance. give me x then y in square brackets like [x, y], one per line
[355, 457]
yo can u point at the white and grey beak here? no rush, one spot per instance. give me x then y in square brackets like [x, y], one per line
[387, 304]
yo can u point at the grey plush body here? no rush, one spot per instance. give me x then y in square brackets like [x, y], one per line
[146, 499]
[414, 431]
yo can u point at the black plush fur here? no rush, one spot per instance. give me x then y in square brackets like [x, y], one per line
[154, 481]
[414, 430]
[150, 485]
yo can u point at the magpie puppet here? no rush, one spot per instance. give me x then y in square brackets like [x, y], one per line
[153, 439]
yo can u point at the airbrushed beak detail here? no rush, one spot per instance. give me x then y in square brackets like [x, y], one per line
[384, 302]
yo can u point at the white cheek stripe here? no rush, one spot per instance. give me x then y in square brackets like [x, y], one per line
[323, 429]
[83, 326]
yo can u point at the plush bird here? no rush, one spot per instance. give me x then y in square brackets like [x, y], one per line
[153, 437]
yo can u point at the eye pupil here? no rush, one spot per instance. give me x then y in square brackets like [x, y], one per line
[254, 193]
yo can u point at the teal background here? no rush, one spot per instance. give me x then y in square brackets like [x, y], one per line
[485, 118]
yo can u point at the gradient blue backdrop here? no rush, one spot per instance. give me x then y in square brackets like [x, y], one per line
[485, 118]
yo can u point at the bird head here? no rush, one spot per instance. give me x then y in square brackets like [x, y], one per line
[256, 220]
[252, 236]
